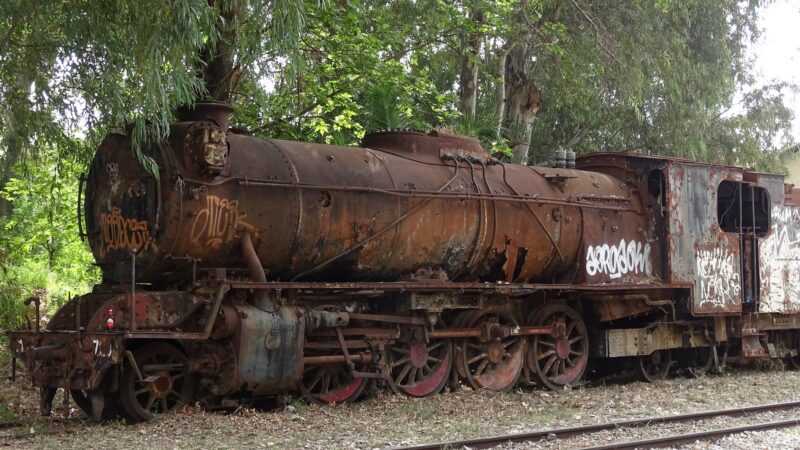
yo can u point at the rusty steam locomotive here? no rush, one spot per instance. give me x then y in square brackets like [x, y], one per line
[253, 267]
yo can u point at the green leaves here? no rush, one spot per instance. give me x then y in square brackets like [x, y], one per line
[652, 77]
[384, 107]
[662, 76]
[359, 73]
[39, 244]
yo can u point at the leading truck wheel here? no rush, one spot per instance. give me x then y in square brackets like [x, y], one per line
[108, 408]
[81, 398]
[701, 360]
[655, 366]
[166, 383]
[559, 359]
[794, 360]
[492, 361]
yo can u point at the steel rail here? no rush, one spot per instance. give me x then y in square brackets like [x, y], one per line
[672, 440]
[562, 433]
[10, 424]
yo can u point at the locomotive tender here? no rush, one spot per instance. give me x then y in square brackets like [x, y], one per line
[253, 267]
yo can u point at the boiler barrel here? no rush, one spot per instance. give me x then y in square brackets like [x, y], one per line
[413, 205]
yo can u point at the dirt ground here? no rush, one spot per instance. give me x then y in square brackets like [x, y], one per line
[386, 420]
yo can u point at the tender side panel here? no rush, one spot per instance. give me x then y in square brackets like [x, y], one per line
[779, 262]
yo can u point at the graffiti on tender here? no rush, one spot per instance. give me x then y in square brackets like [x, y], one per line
[618, 260]
[119, 233]
[779, 254]
[218, 221]
[718, 277]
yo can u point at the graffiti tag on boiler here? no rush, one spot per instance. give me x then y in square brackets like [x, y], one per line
[618, 260]
[218, 221]
[718, 275]
[119, 233]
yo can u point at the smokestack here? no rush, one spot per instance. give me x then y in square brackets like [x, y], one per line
[218, 112]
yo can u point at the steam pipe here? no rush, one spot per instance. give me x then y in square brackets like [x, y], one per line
[262, 298]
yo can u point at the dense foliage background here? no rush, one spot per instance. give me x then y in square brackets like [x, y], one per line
[525, 76]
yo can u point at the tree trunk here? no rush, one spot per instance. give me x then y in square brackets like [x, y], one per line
[500, 76]
[468, 80]
[523, 101]
[13, 145]
[14, 141]
[219, 74]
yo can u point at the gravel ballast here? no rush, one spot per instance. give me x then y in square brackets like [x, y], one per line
[392, 420]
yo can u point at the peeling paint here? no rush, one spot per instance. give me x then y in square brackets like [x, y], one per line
[718, 277]
[779, 255]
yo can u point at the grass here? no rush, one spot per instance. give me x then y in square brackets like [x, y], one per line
[6, 415]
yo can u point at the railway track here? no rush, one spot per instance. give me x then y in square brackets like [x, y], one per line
[658, 442]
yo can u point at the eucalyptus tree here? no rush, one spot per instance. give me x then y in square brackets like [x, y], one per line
[657, 76]
[652, 75]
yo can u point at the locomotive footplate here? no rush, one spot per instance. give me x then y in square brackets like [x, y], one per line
[67, 359]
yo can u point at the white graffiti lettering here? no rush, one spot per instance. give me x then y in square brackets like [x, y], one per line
[718, 277]
[98, 351]
[618, 260]
[779, 257]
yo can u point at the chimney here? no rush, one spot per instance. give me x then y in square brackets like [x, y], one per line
[218, 112]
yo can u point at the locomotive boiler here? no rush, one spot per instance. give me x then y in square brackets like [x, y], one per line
[252, 267]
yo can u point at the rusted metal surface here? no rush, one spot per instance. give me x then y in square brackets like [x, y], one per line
[476, 332]
[644, 341]
[270, 350]
[779, 256]
[628, 248]
[334, 359]
[703, 221]
[699, 250]
[450, 286]
[268, 265]
[559, 357]
[351, 213]
[78, 362]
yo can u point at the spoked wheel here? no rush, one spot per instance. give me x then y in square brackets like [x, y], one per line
[794, 361]
[722, 356]
[655, 366]
[457, 371]
[108, 405]
[559, 359]
[700, 362]
[46, 395]
[81, 398]
[492, 362]
[167, 383]
[420, 369]
[330, 383]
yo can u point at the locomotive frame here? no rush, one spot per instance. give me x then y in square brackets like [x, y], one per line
[254, 268]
